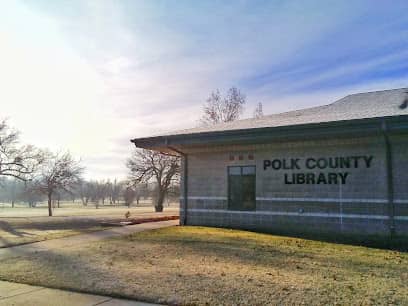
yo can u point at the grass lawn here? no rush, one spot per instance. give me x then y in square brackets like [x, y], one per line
[198, 265]
[17, 231]
[22, 225]
[69, 209]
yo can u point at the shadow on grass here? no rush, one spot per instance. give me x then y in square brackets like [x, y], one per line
[21, 233]
[395, 242]
[54, 269]
[77, 270]
[280, 251]
[5, 226]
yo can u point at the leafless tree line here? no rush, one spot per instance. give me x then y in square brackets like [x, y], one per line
[92, 194]
[32, 175]
[43, 172]
[39, 174]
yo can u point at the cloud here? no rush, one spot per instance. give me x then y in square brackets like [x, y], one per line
[90, 75]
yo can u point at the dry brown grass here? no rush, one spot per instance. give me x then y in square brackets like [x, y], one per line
[198, 265]
[69, 210]
[26, 225]
[17, 231]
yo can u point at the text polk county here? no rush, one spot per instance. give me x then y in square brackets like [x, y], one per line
[315, 165]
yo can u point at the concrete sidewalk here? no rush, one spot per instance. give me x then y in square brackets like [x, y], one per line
[25, 295]
[70, 241]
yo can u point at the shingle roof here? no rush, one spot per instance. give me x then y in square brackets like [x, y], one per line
[356, 106]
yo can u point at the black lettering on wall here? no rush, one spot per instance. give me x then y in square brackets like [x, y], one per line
[343, 177]
[276, 164]
[344, 162]
[310, 163]
[332, 178]
[310, 178]
[266, 164]
[321, 163]
[368, 160]
[287, 181]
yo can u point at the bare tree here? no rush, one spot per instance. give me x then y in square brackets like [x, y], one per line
[84, 192]
[58, 172]
[94, 192]
[146, 165]
[143, 190]
[114, 191]
[258, 112]
[103, 190]
[11, 190]
[129, 195]
[17, 161]
[30, 195]
[223, 109]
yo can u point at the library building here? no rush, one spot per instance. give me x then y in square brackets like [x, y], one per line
[337, 168]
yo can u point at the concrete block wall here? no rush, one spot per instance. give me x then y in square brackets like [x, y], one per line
[358, 206]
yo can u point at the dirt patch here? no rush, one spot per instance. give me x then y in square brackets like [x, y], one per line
[139, 221]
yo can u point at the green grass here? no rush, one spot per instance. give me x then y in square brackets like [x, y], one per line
[198, 265]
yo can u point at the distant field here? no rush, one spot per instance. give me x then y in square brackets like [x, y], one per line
[77, 209]
[21, 224]
[210, 266]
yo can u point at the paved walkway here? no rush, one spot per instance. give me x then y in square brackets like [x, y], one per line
[69, 241]
[25, 295]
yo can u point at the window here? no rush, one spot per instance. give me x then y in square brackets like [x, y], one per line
[241, 188]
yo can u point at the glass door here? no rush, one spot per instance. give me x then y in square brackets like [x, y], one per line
[241, 188]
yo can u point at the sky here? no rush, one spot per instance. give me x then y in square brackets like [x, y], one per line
[87, 76]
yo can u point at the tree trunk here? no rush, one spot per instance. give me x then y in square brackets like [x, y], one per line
[159, 204]
[49, 204]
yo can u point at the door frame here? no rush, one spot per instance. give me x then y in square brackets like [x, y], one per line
[229, 186]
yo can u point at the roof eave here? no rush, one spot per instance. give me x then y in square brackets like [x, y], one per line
[356, 127]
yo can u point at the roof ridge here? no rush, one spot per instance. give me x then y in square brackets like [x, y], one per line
[375, 91]
[301, 109]
[319, 106]
[350, 107]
